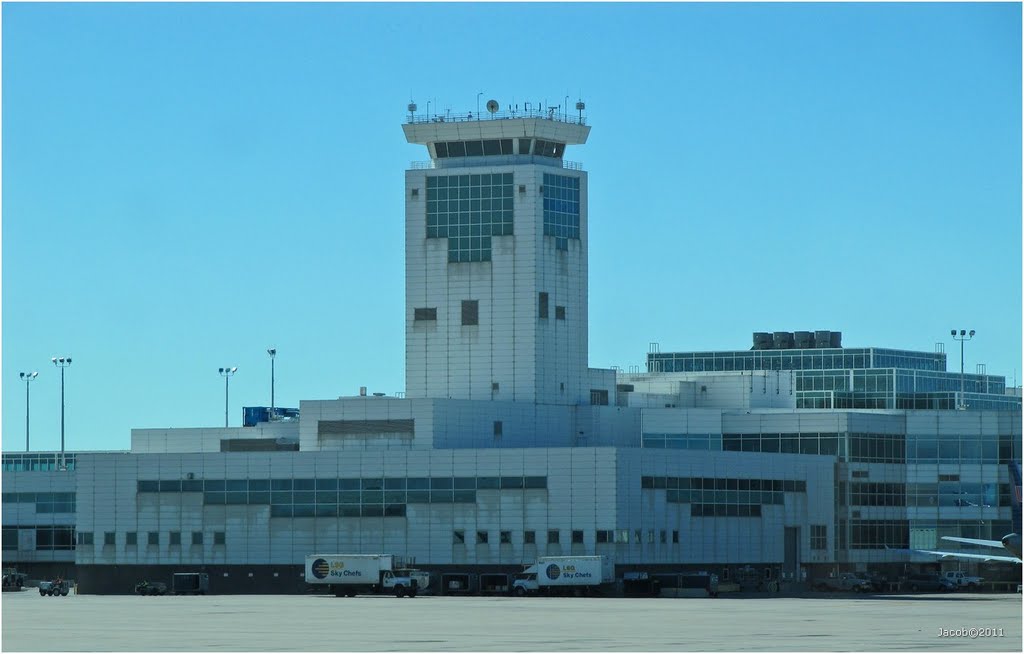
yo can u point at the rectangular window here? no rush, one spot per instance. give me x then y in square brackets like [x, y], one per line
[470, 312]
[663, 537]
[552, 536]
[85, 538]
[10, 538]
[109, 538]
[559, 313]
[542, 305]
[650, 535]
[131, 538]
[602, 536]
[577, 536]
[497, 428]
[481, 537]
[425, 314]
[197, 538]
[459, 537]
[219, 538]
[505, 537]
[154, 538]
[819, 538]
[175, 538]
[598, 397]
[529, 537]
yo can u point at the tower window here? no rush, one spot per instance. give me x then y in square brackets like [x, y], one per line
[559, 313]
[542, 306]
[524, 146]
[425, 314]
[470, 312]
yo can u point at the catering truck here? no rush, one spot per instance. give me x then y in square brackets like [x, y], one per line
[552, 575]
[353, 574]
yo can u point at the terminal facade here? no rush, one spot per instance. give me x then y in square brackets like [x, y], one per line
[796, 461]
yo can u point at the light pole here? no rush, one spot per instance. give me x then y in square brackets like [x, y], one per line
[27, 376]
[964, 336]
[273, 353]
[62, 363]
[478, 104]
[226, 374]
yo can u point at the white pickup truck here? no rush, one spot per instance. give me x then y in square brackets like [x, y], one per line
[959, 579]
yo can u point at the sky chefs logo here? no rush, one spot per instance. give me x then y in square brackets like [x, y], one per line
[553, 571]
[320, 569]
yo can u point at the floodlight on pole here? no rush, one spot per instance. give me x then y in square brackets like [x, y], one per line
[273, 353]
[27, 377]
[964, 335]
[62, 363]
[226, 373]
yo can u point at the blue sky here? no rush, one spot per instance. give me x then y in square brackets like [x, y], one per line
[186, 185]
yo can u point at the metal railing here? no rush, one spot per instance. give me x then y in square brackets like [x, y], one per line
[469, 116]
[473, 161]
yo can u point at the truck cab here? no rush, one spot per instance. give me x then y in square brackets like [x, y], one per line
[525, 583]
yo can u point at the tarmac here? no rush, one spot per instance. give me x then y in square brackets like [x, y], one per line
[315, 623]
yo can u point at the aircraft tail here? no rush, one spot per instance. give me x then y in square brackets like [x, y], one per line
[1015, 496]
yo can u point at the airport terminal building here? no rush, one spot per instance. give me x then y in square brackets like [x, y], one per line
[796, 457]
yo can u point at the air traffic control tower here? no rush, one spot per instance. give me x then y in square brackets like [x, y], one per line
[496, 258]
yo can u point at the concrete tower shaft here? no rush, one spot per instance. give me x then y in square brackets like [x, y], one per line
[496, 261]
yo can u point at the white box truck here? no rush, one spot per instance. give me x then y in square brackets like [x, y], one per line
[577, 575]
[353, 574]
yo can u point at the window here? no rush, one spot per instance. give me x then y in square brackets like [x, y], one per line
[577, 536]
[197, 538]
[602, 536]
[459, 537]
[542, 305]
[219, 538]
[819, 537]
[650, 535]
[425, 314]
[109, 538]
[468, 210]
[505, 538]
[663, 537]
[470, 312]
[675, 535]
[154, 538]
[559, 313]
[175, 538]
[552, 536]
[481, 537]
[497, 428]
[598, 397]
[637, 536]
[131, 538]
[529, 537]
[10, 538]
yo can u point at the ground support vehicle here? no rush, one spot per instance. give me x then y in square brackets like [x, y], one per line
[54, 588]
[13, 580]
[151, 588]
[844, 582]
[190, 583]
[699, 583]
[354, 574]
[566, 575]
[960, 579]
[915, 583]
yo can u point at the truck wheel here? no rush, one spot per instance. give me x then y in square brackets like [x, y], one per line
[399, 590]
[520, 591]
[42, 592]
[412, 592]
[64, 593]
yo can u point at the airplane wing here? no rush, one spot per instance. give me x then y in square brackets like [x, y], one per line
[961, 555]
[975, 541]
[964, 555]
